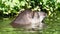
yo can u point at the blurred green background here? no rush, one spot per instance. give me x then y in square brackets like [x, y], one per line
[9, 9]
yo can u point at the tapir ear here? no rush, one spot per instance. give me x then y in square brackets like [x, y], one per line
[32, 14]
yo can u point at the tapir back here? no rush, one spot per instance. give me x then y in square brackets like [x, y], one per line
[23, 19]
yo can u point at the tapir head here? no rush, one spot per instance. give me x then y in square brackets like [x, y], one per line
[42, 15]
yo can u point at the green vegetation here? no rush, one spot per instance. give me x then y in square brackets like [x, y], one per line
[10, 8]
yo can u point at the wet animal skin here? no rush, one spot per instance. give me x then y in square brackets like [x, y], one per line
[30, 20]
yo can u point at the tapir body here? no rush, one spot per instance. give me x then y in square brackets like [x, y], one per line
[29, 19]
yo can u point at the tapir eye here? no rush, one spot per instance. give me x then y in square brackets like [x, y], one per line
[44, 14]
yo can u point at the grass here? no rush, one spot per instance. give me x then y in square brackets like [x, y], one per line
[53, 23]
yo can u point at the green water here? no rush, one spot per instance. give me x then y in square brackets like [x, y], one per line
[53, 24]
